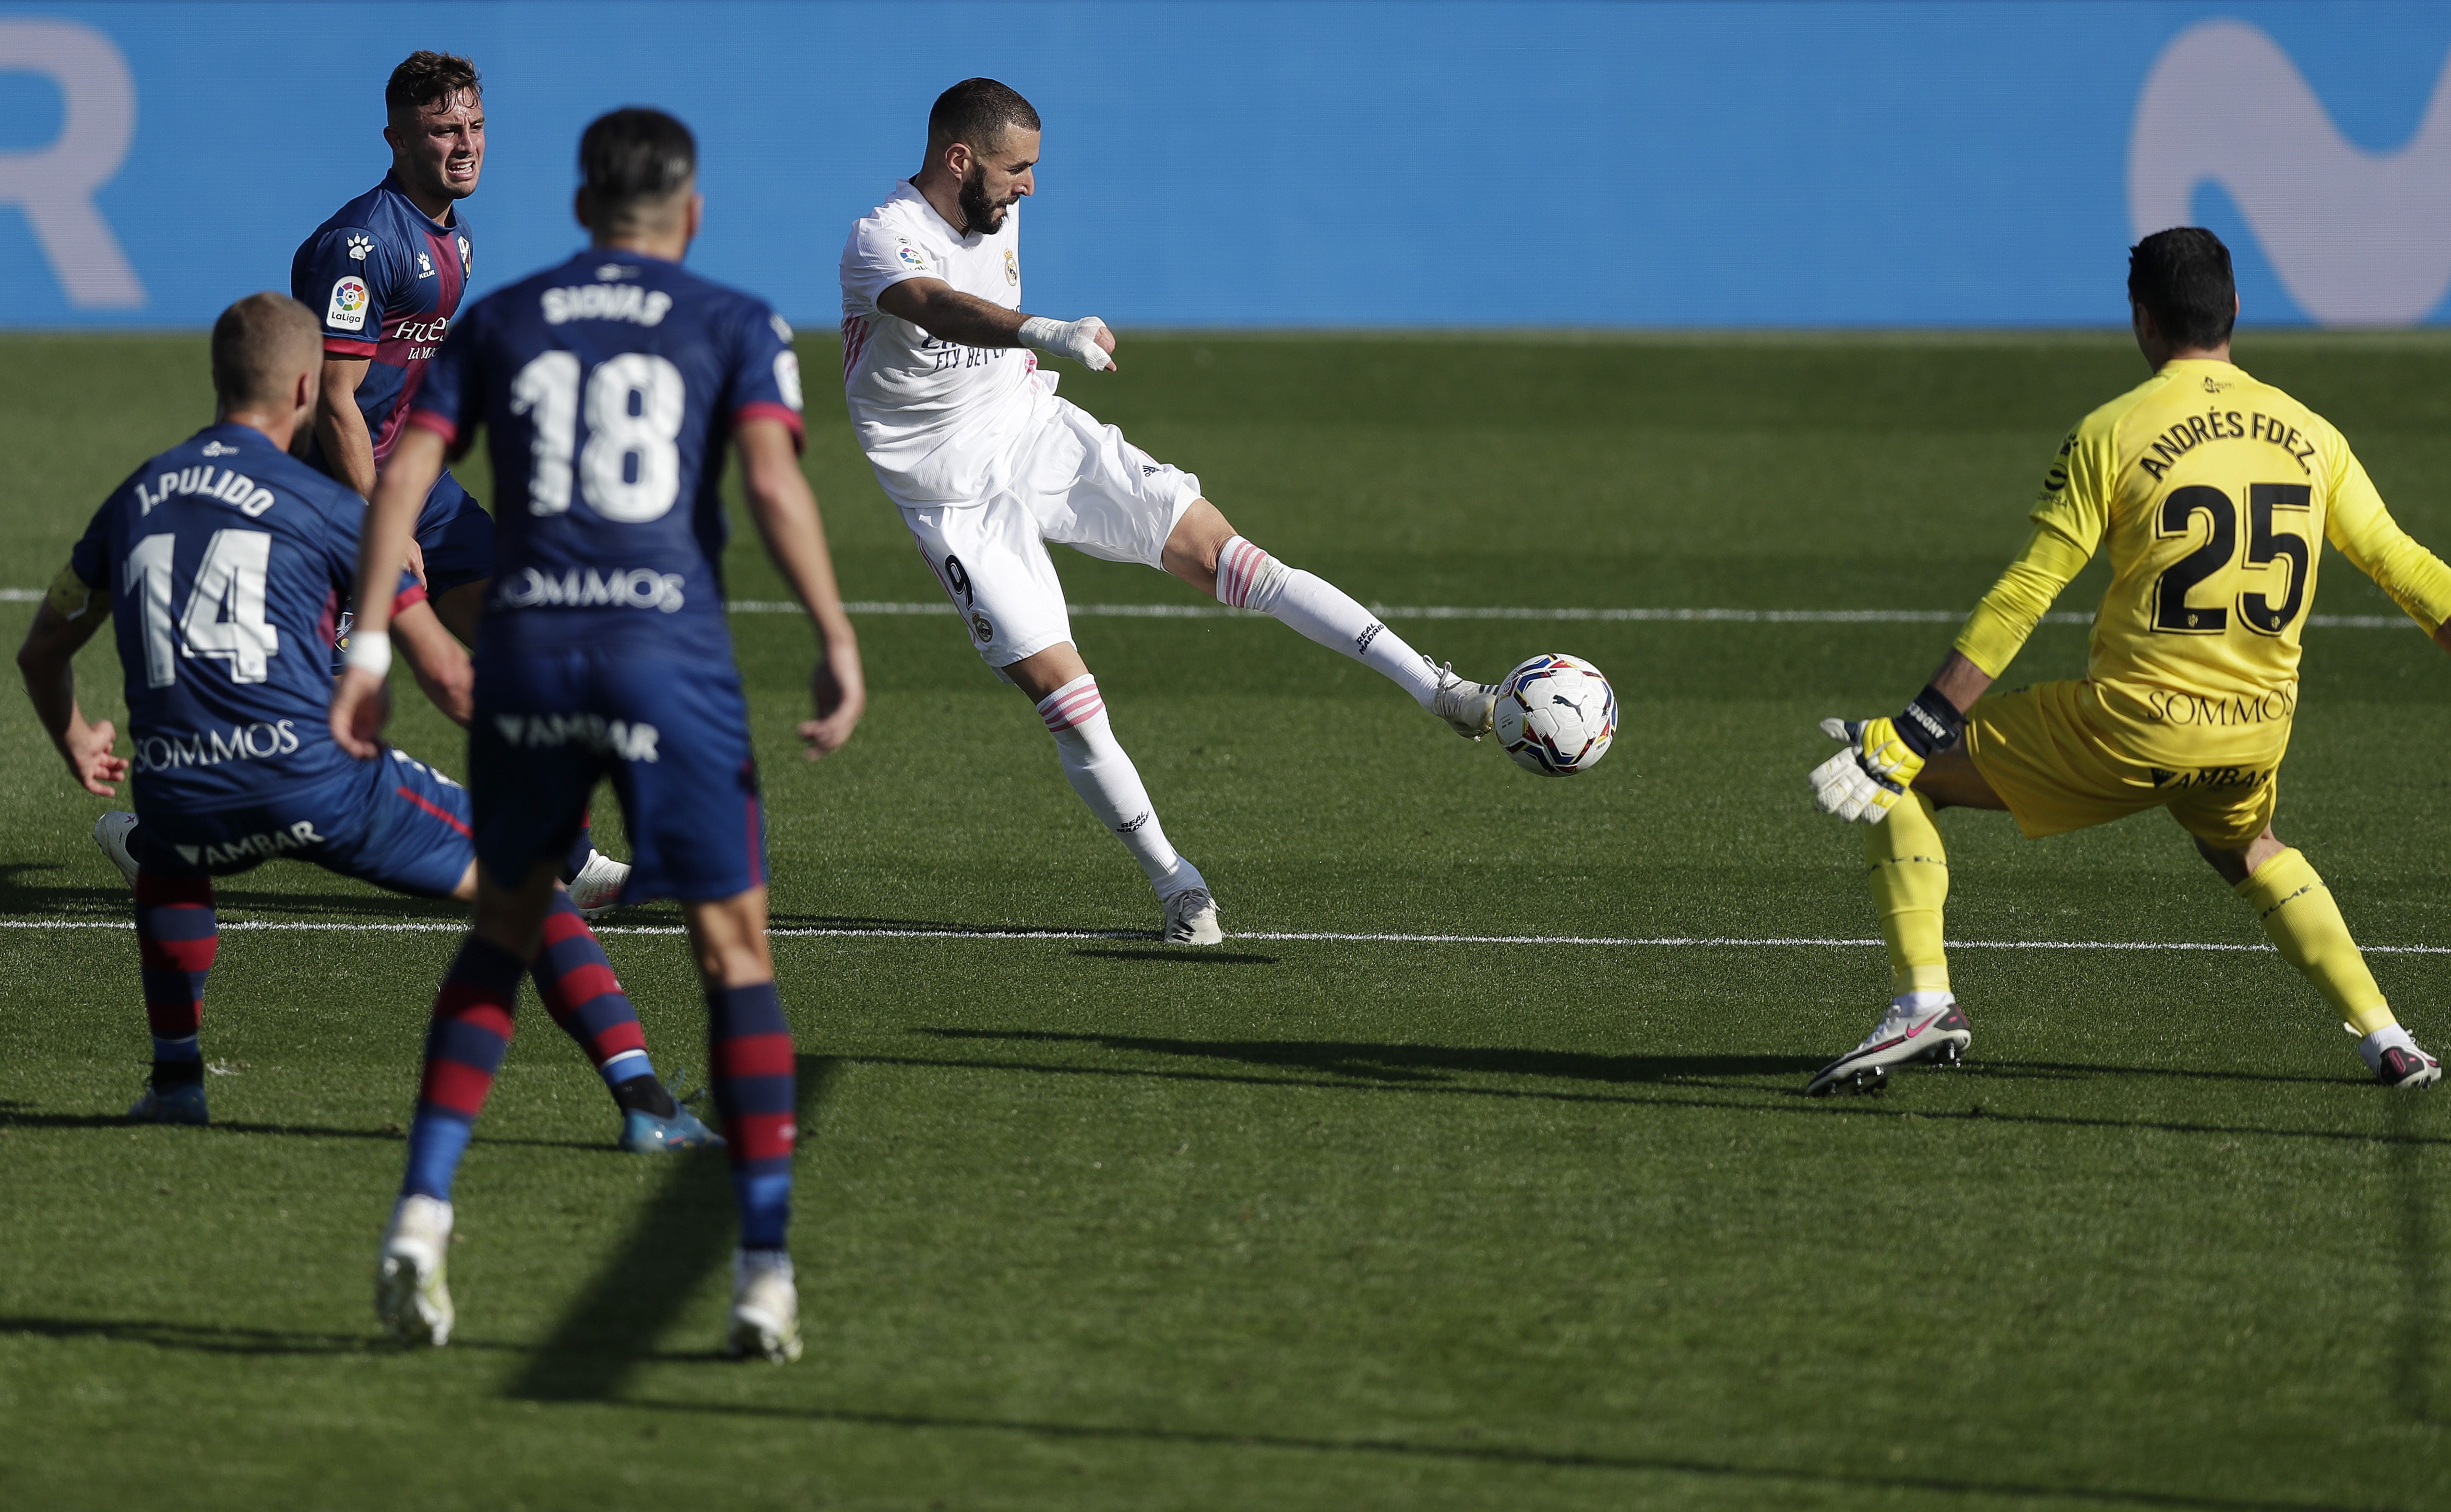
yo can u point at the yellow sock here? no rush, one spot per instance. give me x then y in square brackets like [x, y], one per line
[1909, 869]
[2296, 910]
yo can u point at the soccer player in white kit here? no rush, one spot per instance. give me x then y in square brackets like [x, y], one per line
[987, 465]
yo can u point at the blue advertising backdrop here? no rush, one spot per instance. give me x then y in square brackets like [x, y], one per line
[1325, 163]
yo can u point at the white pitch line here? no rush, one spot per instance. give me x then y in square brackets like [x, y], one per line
[1326, 937]
[1743, 616]
[1749, 617]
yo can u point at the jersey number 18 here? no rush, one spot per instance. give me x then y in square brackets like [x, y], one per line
[630, 471]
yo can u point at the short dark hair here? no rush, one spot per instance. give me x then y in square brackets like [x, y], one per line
[977, 112]
[257, 342]
[429, 78]
[2183, 277]
[633, 154]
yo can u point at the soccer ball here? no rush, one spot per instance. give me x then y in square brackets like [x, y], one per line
[1556, 716]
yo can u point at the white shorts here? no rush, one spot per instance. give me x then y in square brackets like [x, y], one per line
[1075, 483]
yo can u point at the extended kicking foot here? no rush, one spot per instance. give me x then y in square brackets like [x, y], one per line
[2397, 1061]
[765, 1308]
[598, 886]
[1467, 707]
[110, 831]
[643, 1133]
[411, 1298]
[180, 1104]
[1191, 919]
[1933, 1030]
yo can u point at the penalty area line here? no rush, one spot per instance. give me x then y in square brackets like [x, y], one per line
[1287, 937]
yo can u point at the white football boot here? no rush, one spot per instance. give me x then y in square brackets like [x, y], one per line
[2396, 1060]
[765, 1307]
[598, 886]
[411, 1298]
[1466, 706]
[110, 831]
[1191, 919]
[1917, 1027]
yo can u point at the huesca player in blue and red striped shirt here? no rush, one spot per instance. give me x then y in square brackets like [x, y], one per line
[608, 387]
[222, 562]
[386, 272]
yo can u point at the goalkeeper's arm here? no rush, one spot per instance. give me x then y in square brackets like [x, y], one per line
[1883, 757]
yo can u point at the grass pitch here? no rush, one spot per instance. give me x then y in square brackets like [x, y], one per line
[1088, 1224]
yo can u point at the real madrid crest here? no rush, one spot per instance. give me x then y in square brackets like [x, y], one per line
[1011, 269]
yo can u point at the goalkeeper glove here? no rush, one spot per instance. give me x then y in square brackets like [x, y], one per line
[1077, 340]
[1882, 758]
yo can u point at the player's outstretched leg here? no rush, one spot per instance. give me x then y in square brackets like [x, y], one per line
[1908, 870]
[1248, 577]
[586, 1001]
[177, 934]
[1102, 772]
[463, 1051]
[2298, 916]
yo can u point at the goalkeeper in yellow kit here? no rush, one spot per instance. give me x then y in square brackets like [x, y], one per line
[2213, 494]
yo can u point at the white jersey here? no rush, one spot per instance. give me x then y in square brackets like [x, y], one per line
[937, 420]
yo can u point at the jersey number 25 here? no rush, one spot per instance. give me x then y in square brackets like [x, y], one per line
[2265, 545]
[630, 471]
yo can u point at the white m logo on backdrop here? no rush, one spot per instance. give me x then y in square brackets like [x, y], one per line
[54, 184]
[2357, 238]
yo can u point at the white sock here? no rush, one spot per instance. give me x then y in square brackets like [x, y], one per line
[1248, 577]
[1923, 1000]
[1100, 771]
[2370, 1049]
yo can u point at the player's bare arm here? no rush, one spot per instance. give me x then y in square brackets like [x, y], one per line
[786, 512]
[67, 618]
[341, 426]
[360, 699]
[966, 320]
[438, 660]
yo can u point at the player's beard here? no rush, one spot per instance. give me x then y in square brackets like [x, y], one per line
[981, 216]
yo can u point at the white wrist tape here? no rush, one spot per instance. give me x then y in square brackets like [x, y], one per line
[1077, 340]
[369, 650]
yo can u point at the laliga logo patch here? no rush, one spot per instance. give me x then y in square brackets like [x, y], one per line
[1011, 269]
[348, 307]
[911, 256]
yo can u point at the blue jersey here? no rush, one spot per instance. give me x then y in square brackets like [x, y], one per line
[387, 281]
[608, 387]
[227, 560]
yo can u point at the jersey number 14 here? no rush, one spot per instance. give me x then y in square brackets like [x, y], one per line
[223, 617]
[630, 471]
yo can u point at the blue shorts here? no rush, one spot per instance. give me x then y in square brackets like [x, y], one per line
[671, 735]
[456, 536]
[393, 821]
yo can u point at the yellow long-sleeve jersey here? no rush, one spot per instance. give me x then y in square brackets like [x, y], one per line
[2214, 494]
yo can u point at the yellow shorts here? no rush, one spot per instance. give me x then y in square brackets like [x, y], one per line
[2057, 772]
